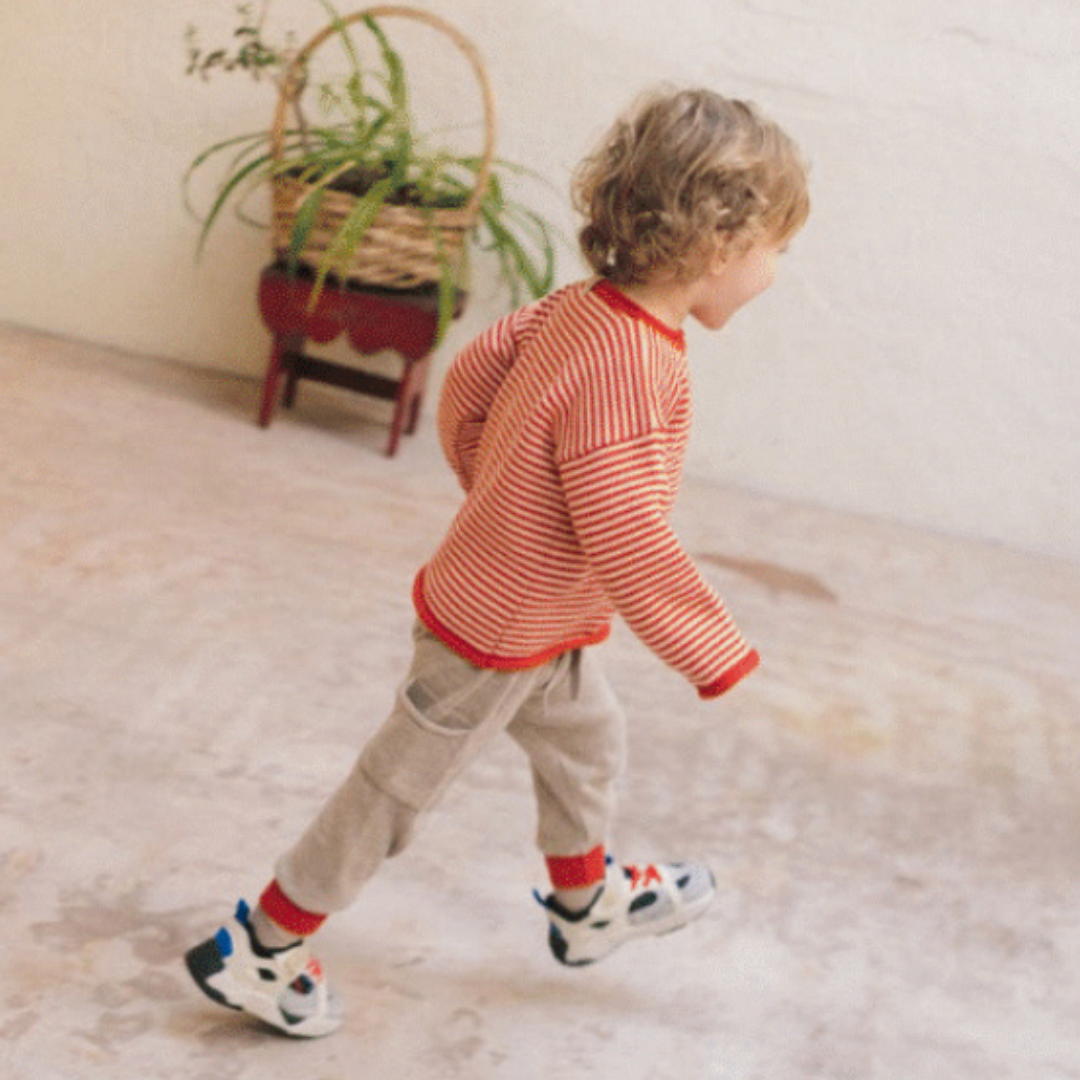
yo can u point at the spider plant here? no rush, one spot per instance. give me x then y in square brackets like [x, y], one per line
[366, 145]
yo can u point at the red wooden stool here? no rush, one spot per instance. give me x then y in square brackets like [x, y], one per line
[374, 320]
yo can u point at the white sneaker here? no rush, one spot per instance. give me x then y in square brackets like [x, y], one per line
[285, 988]
[633, 901]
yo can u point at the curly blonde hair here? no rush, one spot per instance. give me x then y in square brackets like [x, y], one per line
[683, 175]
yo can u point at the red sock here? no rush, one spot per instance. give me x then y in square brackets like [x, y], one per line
[577, 871]
[288, 915]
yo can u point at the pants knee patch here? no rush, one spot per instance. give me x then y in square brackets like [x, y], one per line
[412, 759]
[430, 710]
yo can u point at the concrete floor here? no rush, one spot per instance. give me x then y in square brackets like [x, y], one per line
[201, 621]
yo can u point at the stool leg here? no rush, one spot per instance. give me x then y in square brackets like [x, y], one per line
[294, 348]
[271, 380]
[397, 424]
[403, 404]
[284, 347]
[420, 382]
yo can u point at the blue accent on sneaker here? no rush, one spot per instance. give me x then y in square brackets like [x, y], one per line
[223, 941]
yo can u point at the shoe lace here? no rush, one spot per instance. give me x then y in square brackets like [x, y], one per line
[642, 876]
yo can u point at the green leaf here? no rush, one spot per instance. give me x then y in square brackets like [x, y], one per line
[254, 169]
[447, 282]
[352, 232]
[306, 216]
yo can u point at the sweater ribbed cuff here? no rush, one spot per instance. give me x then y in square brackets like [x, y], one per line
[731, 676]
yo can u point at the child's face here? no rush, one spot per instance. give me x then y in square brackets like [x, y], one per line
[732, 282]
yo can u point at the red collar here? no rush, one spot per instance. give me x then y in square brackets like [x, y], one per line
[616, 299]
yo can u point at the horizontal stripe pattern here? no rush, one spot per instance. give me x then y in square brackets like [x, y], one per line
[567, 425]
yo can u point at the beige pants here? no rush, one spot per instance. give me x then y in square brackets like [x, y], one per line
[564, 715]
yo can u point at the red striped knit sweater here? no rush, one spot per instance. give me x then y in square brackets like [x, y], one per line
[567, 423]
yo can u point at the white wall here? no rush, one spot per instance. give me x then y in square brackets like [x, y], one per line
[918, 357]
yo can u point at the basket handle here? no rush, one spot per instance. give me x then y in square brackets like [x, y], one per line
[293, 84]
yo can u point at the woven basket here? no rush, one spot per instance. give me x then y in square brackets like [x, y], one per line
[405, 247]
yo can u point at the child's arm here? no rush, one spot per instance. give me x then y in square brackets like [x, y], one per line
[617, 497]
[471, 385]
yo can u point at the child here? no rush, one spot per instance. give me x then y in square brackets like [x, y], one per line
[566, 424]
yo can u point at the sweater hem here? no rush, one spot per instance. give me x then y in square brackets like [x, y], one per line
[481, 659]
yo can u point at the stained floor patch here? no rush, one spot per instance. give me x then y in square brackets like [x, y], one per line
[775, 578]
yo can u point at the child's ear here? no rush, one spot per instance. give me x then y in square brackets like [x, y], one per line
[719, 258]
[729, 246]
[723, 250]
